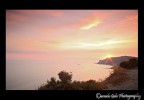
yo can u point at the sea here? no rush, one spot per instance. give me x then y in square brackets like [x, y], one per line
[31, 74]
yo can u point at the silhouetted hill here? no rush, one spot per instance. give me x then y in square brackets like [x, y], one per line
[115, 60]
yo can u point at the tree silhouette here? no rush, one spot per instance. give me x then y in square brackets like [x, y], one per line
[65, 83]
[65, 77]
[52, 82]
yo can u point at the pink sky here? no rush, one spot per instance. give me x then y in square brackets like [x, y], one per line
[74, 34]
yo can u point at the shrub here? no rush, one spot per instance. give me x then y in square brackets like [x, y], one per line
[66, 83]
[118, 76]
[124, 64]
[132, 63]
[88, 85]
[76, 85]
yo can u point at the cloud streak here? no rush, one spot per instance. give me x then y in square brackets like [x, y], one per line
[91, 24]
[90, 45]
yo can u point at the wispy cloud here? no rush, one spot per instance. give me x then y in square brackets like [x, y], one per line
[82, 45]
[93, 20]
[91, 24]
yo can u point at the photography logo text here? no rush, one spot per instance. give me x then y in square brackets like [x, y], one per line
[120, 95]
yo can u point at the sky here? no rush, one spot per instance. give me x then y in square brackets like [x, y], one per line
[71, 34]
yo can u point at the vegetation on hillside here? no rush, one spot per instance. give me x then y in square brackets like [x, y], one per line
[132, 63]
[65, 83]
[118, 76]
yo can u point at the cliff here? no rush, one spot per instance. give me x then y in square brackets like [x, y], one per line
[114, 60]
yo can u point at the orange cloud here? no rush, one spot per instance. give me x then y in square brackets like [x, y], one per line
[127, 25]
[133, 17]
[129, 20]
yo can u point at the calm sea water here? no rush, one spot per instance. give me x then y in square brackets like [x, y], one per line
[30, 74]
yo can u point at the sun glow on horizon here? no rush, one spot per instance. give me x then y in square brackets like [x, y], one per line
[109, 56]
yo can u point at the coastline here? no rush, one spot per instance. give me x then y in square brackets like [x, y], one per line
[127, 81]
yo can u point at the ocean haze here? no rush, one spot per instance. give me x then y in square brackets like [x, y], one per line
[30, 74]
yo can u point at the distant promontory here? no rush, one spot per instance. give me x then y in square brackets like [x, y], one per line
[114, 60]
